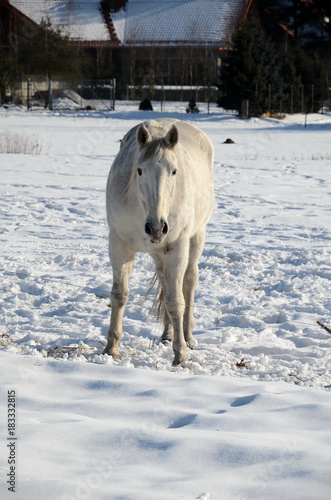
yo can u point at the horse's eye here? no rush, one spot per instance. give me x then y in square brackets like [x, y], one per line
[139, 171]
[174, 172]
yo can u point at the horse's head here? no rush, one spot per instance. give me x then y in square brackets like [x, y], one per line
[155, 175]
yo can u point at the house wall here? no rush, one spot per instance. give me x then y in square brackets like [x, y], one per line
[14, 28]
[4, 27]
[178, 65]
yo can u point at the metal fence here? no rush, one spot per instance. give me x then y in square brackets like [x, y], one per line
[66, 94]
[102, 94]
[279, 100]
[180, 93]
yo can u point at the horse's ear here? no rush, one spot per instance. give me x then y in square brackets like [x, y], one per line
[143, 136]
[171, 138]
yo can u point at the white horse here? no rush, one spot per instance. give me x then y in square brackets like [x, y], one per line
[159, 200]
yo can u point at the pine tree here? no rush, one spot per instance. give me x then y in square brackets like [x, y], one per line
[302, 34]
[251, 66]
[48, 52]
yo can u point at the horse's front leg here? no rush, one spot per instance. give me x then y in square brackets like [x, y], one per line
[190, 283]
[122, 264]
[174, 266]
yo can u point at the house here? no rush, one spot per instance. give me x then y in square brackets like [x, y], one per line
[84, 22]
[160, 41]
[14, 25]
[175, 42]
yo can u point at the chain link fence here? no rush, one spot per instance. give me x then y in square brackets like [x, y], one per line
[102, 94]
[72, 94]
[65, 94]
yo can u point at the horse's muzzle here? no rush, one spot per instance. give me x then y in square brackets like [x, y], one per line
[156, 231]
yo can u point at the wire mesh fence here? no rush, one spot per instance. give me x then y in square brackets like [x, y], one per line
[289, 99]
[102, 95]
[180, 93]
[66, 94]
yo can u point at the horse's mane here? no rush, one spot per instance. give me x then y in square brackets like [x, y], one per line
[153, 148]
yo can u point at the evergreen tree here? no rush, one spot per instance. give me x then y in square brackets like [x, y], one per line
[251, 66]
[48, 52]
[302, 34]
[288, 92]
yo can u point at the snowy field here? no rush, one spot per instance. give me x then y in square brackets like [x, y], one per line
[248, 416]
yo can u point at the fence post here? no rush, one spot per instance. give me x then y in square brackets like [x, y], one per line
[245, 109]
[312, 98]
[50, 97]
[302, 99]
[256, 94]
[269, 99]
[28, 95]
[114, 93]
[162, 96]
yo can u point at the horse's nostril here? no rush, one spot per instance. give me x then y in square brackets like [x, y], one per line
[156, 230]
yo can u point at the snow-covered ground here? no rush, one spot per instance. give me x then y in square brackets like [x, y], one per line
[219, 427]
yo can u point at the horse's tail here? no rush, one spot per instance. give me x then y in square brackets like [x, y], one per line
[158, 307]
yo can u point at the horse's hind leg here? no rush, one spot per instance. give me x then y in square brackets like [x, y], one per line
[190, 282]
[168, 331]
[122, 263]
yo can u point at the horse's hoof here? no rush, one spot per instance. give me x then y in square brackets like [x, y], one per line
[115, 354]
[117, 357]
[191, 343]
[167, 337]
[179, 359]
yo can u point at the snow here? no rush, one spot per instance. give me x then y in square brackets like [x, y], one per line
[69, 99]
[78, 19]
[160, 22]
[219, 427]
[168, 22]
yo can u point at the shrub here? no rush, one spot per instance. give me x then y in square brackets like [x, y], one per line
[13, 143]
